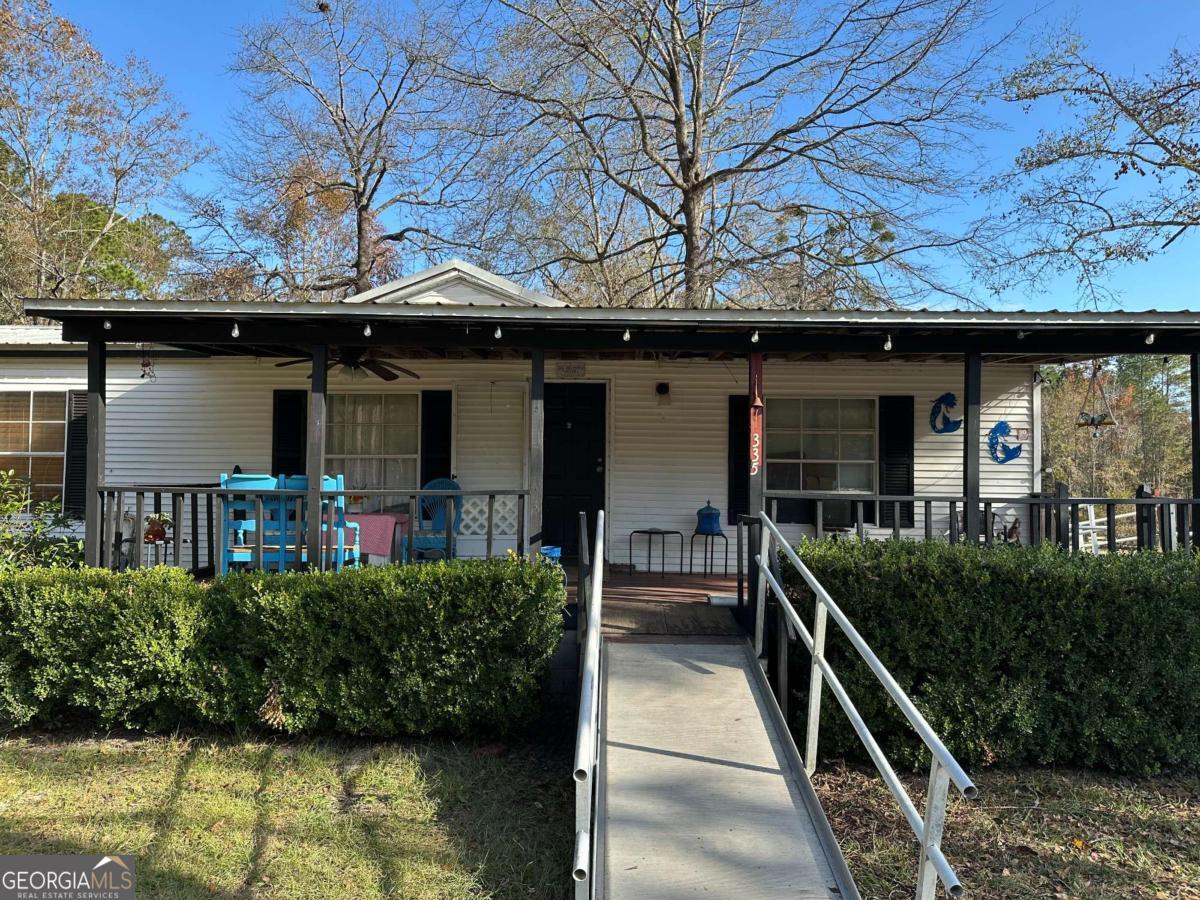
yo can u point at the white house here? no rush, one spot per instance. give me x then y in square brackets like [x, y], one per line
[641, 412]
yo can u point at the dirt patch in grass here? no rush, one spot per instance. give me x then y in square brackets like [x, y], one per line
[1032, 833]
[298, 819]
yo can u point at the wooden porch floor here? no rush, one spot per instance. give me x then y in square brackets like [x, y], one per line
[649, 604]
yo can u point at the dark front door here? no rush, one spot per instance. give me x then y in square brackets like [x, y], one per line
[573, 466]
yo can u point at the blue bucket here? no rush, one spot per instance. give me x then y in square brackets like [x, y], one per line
[552, 552]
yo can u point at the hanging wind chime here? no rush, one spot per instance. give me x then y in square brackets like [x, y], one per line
[1096, 412]
[148, 373]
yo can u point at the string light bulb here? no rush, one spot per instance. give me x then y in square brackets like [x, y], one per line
[367, 330]
[107, 325]
[236, 332]
[754, 338]
[497, 334]
[887, 344]
[626, 336]
[1150, 339]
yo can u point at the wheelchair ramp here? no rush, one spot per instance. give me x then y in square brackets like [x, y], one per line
[701, 791]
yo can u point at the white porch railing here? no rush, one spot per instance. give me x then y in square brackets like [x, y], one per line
[944, 770]
[587, 732]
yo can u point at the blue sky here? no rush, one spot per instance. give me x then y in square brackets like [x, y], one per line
[192, 44]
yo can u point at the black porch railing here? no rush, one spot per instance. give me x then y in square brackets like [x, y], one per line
[1109, 524]
[186, 525]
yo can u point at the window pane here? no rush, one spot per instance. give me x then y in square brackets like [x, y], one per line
[399, 473]
[16, 464]
[49, 437]
[783, 445]
[820, 476]
[858, 446]
[47, 470]
[820, 414]
[783, 477]
[50, 407]
[44, 492]
[858, 414]
[15, 436]
[400, 409]
[14, 406]
[820, 445]
[363, 409]
[400, 439]
[335, 439]
[783, 413]
[337, 408]
[856, 477]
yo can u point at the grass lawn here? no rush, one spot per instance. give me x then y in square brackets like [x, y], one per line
[307, 818]
[1034, 833]
[297, 819]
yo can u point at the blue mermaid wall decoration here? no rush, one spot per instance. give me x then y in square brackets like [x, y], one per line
[1001, 451]
[939, 416]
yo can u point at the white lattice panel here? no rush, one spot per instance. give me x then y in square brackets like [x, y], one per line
[474, 517]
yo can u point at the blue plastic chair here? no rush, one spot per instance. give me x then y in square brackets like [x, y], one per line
[238, 541]
[431, 538]
[346, 551]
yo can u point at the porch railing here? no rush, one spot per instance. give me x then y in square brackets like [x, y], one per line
[181, 524]
[1142, 522]
[944, 769]
[587, 728]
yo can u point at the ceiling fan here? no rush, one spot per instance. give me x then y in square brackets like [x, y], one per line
[360, 359]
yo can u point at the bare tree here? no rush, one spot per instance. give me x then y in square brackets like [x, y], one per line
[88, 146]
[701, 151]
[1117, 181]
[342, 161]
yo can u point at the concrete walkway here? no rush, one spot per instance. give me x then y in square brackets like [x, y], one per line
[699, 795]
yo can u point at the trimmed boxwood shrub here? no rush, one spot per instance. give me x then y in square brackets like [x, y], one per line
[1018, 655]
[451, 648]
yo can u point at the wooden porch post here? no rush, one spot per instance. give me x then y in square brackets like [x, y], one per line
[316, 452]
[1195, 397]
[758, 469]
[972, 376]
[537, 427]
[97, 401]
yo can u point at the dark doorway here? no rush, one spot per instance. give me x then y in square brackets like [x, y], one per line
[289, 433]
[574, 463]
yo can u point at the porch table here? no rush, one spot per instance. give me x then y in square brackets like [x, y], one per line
[377, 531]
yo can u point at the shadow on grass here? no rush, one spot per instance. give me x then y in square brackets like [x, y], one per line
[261, 833]
[509, 811]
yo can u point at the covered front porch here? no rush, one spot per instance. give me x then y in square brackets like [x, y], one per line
[822, 419]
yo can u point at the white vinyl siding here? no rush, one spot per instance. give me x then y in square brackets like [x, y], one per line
[666, 456]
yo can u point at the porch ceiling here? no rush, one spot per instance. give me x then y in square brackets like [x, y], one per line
[289, 330]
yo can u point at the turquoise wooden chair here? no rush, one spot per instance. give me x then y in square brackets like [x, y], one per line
[346, 548]
[238, 541]
[429, 536]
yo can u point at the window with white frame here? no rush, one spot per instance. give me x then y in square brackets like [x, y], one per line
[33, 439]
[821, 445]
[374, 440]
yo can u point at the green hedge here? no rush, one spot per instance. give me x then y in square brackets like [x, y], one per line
[1019, 655]
[455, 649]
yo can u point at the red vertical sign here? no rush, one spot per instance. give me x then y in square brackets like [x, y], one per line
[756, 414]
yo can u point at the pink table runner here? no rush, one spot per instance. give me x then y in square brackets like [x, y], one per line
[377, 530]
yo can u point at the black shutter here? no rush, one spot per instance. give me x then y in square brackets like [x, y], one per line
[437, 411]
[75, 465]
[737, 501]
[896, 456]
[289, 433]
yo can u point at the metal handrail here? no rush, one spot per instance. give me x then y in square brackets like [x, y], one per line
[944, 770]
[587, 729]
